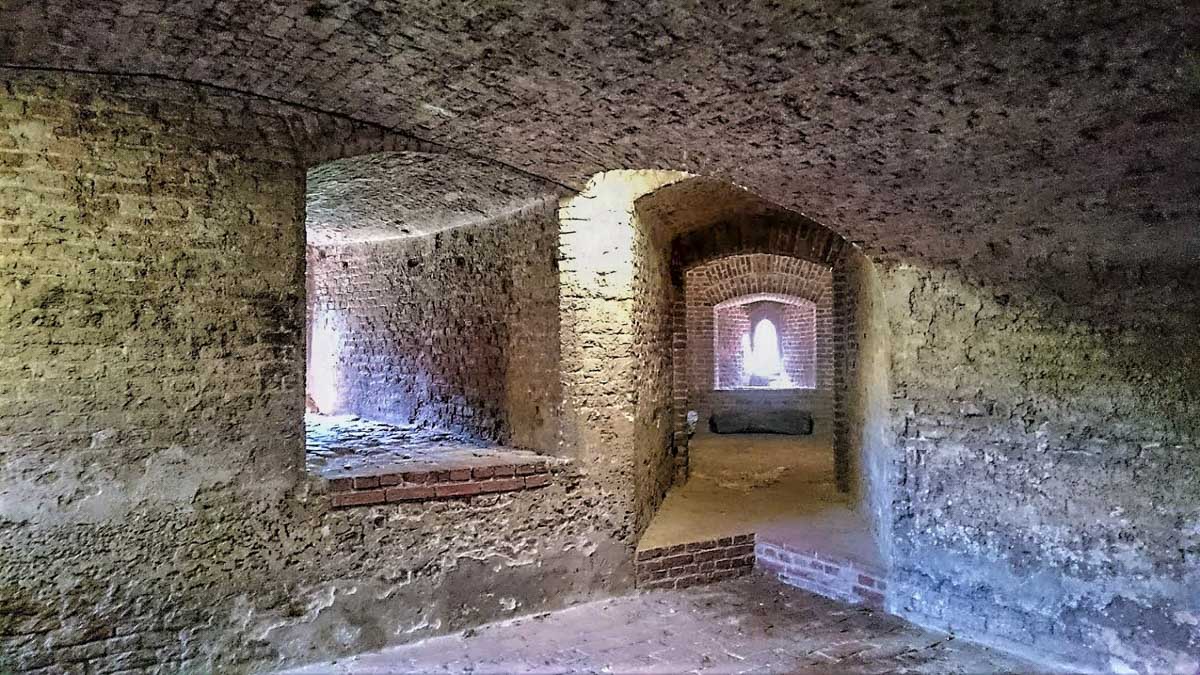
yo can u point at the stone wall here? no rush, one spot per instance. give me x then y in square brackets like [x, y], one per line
[757, 275]
[864, 455]
[457, 329]
[615, 297]
[1050, 448]
[153, 502]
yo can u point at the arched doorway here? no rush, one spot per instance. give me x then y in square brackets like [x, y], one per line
[629, 301]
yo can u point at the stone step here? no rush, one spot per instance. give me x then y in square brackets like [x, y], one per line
[694, 563]
[830, 574]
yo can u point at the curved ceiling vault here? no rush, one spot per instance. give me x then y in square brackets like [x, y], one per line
[1024, 137]
[388, 195]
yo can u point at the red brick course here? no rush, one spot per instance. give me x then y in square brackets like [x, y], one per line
[832, 576]
[694, 563]
[436, 484]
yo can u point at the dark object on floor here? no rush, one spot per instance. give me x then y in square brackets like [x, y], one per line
[791, 422]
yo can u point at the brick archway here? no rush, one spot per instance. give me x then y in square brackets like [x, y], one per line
[721, 279]
[793, 324]
[798, 238]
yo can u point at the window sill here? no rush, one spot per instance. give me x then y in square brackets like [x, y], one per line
[489, 472]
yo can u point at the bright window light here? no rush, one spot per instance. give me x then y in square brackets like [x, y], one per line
[762, 358]
[322, 366]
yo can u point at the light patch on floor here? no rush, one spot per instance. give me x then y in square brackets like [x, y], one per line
[778, 486]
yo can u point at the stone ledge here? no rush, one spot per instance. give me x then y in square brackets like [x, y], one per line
[440, 483]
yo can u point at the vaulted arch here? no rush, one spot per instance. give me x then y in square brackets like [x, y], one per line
[736, 280]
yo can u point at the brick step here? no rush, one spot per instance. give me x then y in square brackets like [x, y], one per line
[825, 573]
[694, 563]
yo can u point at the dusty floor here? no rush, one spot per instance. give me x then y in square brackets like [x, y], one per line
[780, 487]
[748, 625]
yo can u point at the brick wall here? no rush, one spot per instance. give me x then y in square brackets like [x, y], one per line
[651, 323]
[153, 296]
[830, 574]
[756, 277]
[863, 462]
[1045, 494]
[730, 324]
[798, 343]
[695, 563]
[735, 322]
[151, 305]
[616, 294]
[152, 342]
[457, 329]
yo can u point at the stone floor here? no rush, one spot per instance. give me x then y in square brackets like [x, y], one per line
[779, 487]
[748, 625]
[345, 445]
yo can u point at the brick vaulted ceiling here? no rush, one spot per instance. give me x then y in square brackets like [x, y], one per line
[1024, 137]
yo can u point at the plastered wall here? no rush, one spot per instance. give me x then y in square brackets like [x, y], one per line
[615, 298]
[1046, 498]
[153, 502]
[865, 461]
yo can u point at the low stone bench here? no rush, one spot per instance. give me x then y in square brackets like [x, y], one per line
[791, 422]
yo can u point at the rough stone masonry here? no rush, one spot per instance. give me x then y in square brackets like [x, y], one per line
[1005, 193]
[153, 311]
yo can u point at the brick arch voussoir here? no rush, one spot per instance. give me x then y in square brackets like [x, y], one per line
[737, 276]
[334, 139]
[795, 238]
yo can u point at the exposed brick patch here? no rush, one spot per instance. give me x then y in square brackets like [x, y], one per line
[359, 498]
[698, 562]
[831, 575]
[426, 484]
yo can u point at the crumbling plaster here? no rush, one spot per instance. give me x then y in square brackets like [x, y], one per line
[615, 297]
[1047, 490]
[156, 513]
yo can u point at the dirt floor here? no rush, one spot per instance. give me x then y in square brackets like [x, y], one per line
[748, 625]
[781, 487]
